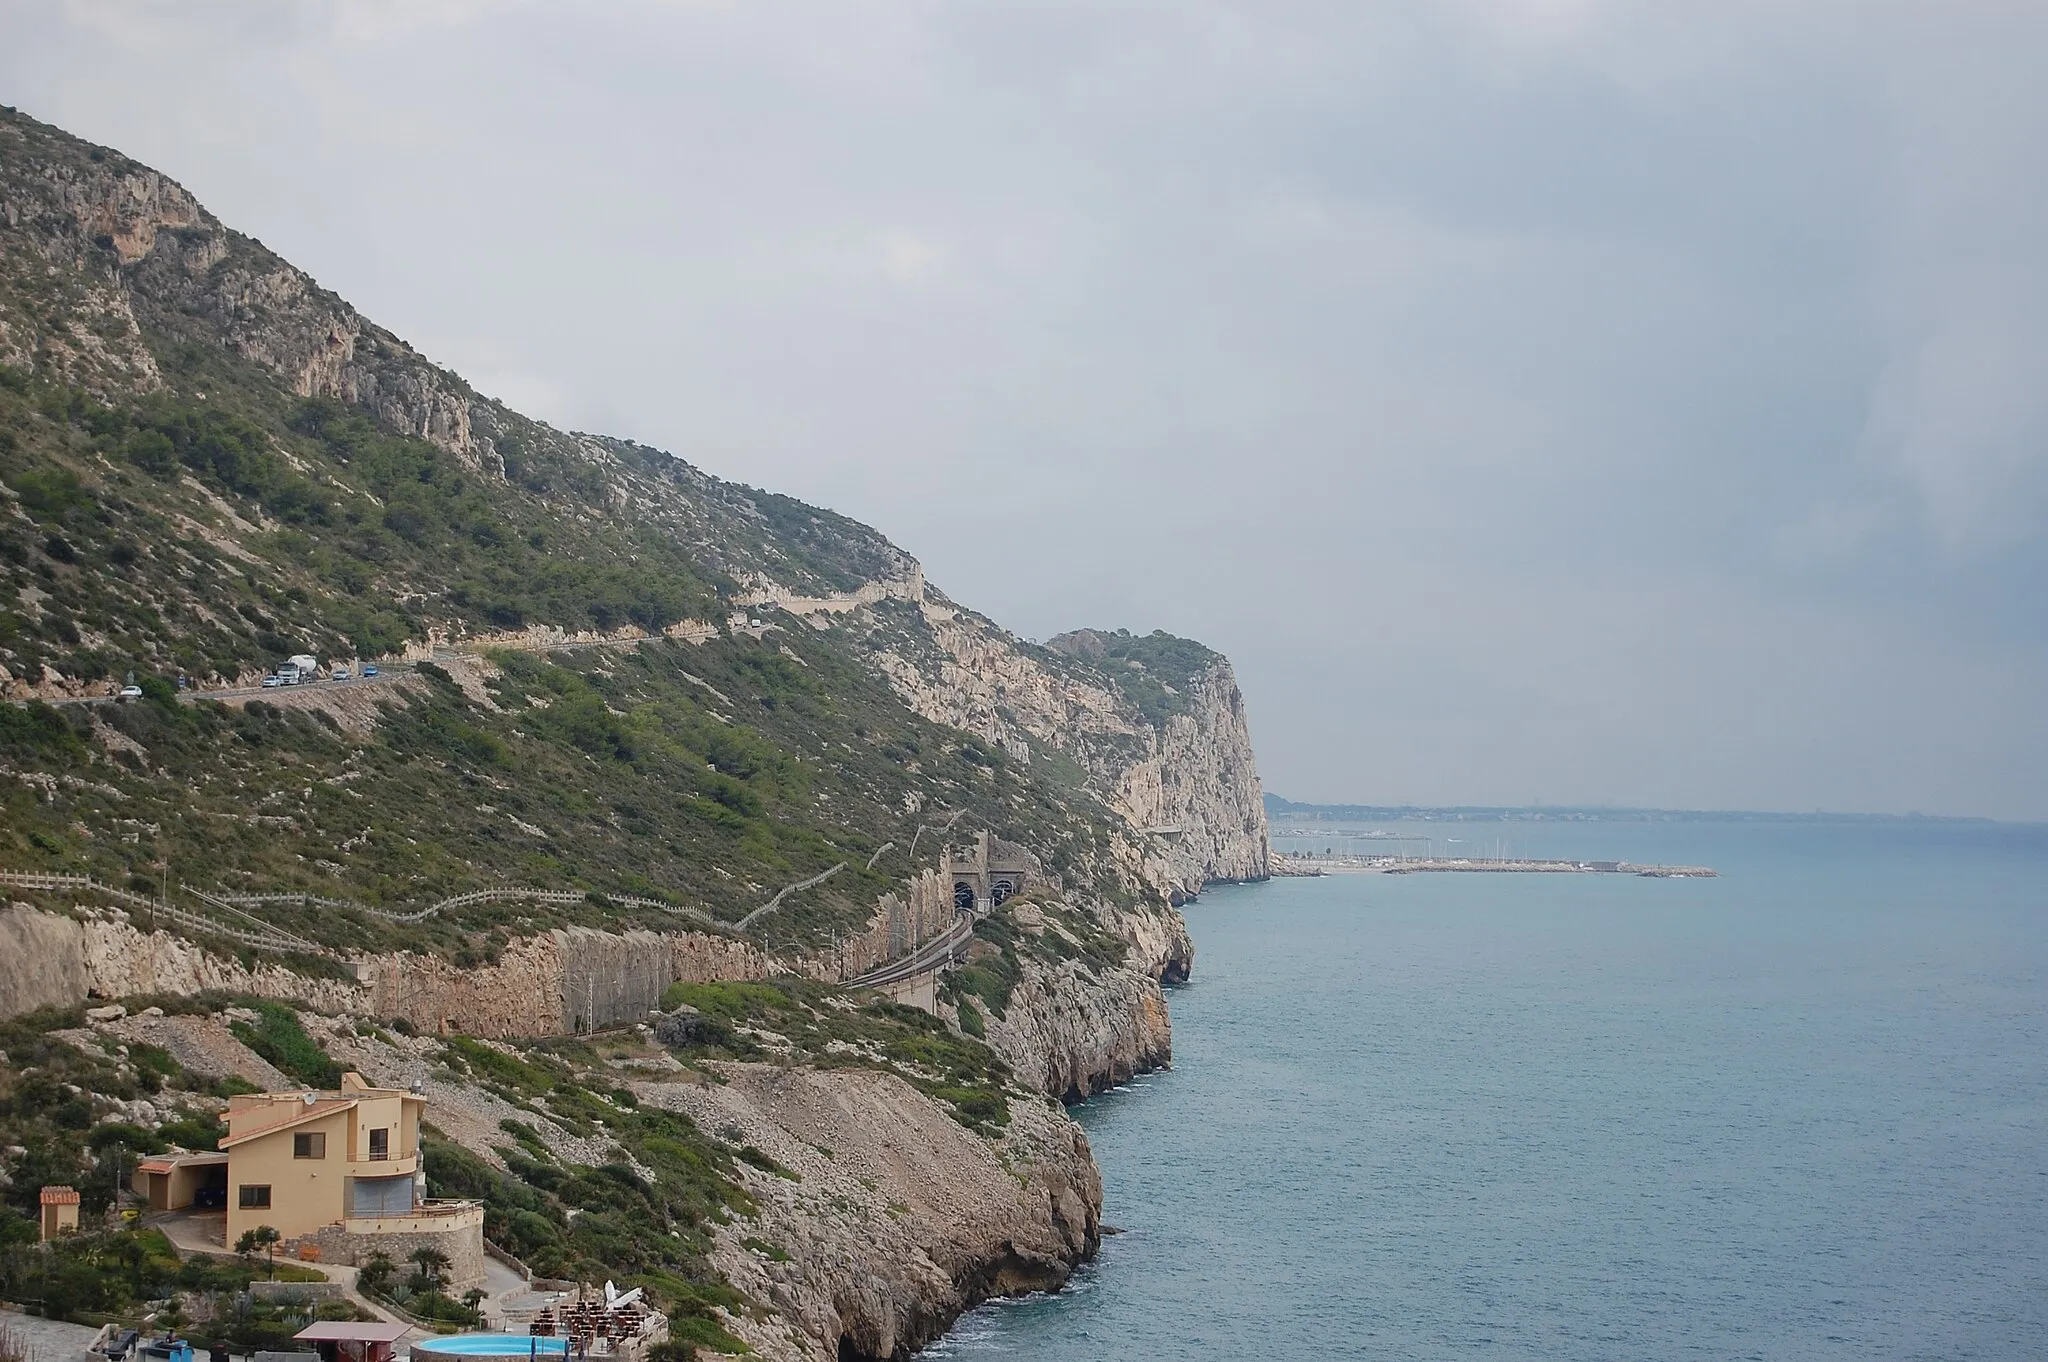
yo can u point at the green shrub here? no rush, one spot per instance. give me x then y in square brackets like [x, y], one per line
[278, 1037]
[47, 493]
[37, 729]
[193, 1132]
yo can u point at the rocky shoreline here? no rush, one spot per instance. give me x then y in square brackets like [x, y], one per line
[898, 1219]
[901, 1220]
[888, 1218]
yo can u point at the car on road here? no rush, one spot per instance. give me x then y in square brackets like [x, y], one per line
[130, 692]
[339, 674]
[272, 681]
[369, 671]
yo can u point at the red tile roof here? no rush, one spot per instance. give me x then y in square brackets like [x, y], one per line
[60, 1196]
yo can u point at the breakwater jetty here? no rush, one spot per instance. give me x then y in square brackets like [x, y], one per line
[1296, 864]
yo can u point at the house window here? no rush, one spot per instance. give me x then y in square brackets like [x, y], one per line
[309, 1145]
[380, 1143]
[255, 1196]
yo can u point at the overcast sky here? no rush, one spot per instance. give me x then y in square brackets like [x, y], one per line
[1538, 400]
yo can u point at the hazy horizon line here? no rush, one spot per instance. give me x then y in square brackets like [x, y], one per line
[1281, 805]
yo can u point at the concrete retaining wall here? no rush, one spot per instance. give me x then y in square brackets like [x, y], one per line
[565, 980]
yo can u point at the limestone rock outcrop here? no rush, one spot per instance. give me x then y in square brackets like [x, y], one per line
[1201, 781]
[1071, 1032]
[898, 1217]
[1188, 785]
[139, 239]
[54, 960]
[1159, 943]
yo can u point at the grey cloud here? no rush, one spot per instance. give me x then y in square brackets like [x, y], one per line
[1575, 399]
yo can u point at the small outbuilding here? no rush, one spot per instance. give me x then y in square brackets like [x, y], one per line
[173, 1182]
[350, 1340]
[60, 1211]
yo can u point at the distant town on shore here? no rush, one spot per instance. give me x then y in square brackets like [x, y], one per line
[1278, 808]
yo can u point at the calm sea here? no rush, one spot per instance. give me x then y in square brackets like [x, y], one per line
[1798, 1112]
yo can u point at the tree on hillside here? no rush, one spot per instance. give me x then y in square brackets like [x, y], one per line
[262, 1239]
[126, 1251]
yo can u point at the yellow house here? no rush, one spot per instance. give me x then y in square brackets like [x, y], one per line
[301, 1160]
[338, 1173]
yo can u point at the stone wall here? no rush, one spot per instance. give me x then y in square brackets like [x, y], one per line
[356, 1241]
[298, 1293]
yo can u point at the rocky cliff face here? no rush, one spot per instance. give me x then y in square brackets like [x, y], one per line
[51, 960]
[1202, 781]
[557, 982]
[1160, 947]
[107, 266]
[1185, 781]
[126, 240]
[897, 1218]
[1072, 1032]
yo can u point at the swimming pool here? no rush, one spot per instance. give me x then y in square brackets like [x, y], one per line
[491, 1345]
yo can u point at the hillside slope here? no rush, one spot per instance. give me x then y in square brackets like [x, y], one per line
[638, 729]
[212, 463]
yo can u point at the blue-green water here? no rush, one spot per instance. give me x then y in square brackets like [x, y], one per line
[1797, 1112]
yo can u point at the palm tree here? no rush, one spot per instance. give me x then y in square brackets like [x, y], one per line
[432, 1264]
[375, 1275]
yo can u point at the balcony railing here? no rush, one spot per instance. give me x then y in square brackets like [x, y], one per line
[425, 1210]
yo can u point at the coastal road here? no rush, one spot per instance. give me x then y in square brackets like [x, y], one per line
[391, 671]
[386, 673]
